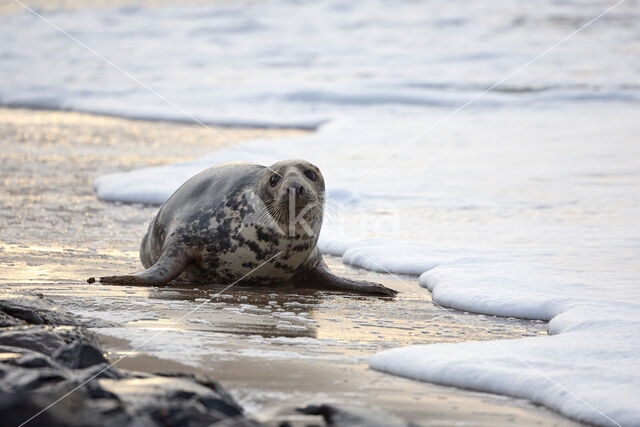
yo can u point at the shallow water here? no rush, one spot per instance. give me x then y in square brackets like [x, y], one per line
[283, 63]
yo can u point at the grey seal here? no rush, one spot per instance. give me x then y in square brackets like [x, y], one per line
[243, 222]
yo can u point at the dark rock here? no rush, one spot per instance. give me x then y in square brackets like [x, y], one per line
[174, 400]
[18, 379]
[340, 416]
[8, 320]
[37, 314]
[46, 339]
[26, 358]
[203, 380]
[26, 314]
[16, 409]
[60, 374]
[75, 409]
[104, 370]
[76, 334]
[35, 338]
[79, 355]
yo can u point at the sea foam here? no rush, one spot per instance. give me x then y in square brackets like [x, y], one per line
[524, 203]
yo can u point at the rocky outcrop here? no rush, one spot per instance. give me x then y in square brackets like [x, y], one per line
[53, 372]
[350, 416]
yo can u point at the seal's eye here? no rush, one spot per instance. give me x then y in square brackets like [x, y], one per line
[275, 178]
[310, 174]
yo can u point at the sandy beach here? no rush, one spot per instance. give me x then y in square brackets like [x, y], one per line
[273, 352]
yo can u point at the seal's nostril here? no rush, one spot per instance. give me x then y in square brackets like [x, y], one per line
[296, 190]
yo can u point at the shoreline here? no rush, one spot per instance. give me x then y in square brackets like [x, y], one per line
[169, 120]
[73, 235]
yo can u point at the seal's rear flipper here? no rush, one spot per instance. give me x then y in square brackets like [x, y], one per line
[321, 278]
[167, 268]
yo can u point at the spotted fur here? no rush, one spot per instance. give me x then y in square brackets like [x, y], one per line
[227, 224]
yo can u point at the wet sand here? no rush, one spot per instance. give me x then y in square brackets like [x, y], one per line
[273, 352]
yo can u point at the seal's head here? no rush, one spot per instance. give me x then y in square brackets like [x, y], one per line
[293, 190]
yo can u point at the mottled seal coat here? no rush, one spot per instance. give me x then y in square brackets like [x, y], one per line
[243, 222]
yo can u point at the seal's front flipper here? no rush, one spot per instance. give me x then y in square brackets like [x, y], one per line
[321, 278]
[167, 268]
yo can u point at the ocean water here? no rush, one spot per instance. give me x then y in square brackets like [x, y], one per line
[523, 203]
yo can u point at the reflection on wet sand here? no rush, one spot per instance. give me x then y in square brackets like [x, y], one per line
[278, 351]
[283, 350]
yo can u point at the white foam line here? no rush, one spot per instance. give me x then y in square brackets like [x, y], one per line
[506, 350]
